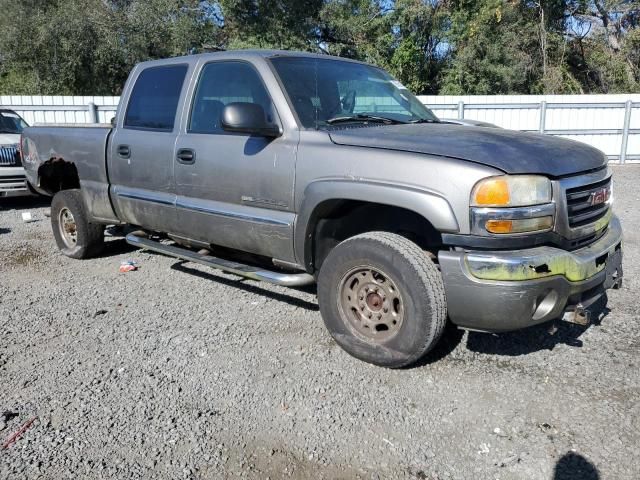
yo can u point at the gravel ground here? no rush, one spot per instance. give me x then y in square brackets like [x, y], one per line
[176, 371]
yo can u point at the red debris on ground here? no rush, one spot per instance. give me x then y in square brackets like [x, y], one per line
[128, 266]
[17, 434]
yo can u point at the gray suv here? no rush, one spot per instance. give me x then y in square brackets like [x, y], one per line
[13, 182]
[295, 168]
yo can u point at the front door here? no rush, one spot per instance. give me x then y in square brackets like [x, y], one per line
[234, 190]
[142, 150]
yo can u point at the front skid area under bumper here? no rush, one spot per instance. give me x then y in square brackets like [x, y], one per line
[503, 291]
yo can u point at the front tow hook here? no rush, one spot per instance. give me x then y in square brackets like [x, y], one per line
[577, 314]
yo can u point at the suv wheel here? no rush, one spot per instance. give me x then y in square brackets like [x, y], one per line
[382, 299]
[75, 236]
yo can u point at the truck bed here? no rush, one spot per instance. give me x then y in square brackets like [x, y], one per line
[82, 146]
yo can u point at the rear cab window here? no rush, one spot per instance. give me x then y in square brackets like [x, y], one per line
[155, 97]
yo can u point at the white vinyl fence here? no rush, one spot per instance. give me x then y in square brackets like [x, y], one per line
[608, 122]
[58, 109]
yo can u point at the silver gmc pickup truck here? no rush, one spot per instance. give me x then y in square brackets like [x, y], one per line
[295, 168]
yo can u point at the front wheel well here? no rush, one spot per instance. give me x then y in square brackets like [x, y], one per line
[336, 220]
[57, 174]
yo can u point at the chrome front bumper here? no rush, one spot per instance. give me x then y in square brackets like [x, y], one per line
[508, 290]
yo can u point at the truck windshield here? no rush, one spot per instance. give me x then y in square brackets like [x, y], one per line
[11, 122]
[326, 92]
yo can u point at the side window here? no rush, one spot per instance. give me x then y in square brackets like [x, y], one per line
[154, 99]
[220, 84]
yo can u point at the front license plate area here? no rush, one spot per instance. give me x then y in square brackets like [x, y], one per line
[613, 269]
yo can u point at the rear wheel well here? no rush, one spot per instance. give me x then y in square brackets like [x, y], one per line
[57, 174]
[336, 220]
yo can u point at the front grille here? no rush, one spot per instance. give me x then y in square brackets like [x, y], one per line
[589, 203]
[9, 156]
[584, 241]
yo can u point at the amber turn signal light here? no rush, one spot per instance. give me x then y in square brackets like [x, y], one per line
[499, 226]
[519, 226]
[494, 191]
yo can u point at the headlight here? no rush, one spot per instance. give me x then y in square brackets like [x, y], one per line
[511, 191]
[512, 204]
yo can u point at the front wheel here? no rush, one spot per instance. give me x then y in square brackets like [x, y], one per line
[75, 235]
[382, 299]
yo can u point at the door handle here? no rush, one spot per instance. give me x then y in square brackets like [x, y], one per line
[124, 151]
[186, 156]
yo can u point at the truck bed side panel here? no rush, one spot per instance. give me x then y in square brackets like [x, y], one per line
[85, 147]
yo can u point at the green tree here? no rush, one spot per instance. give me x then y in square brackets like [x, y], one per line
[281, 24]
[359, 29]
[87, 47]
[432, 46]
[508, 47]
[605, 45]
[421, 46]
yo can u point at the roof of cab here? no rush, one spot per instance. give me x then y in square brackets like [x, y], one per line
[244, 54]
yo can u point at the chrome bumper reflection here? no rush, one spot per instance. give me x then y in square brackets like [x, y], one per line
[541, 262]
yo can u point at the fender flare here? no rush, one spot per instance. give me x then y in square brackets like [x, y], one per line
[431, 206]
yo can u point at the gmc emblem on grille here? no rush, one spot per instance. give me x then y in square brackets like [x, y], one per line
[600, 196]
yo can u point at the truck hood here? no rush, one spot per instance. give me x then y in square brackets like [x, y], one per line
[9, 139]
[506, 150]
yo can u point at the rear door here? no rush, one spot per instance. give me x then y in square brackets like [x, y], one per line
[141, 155]
[234, 189]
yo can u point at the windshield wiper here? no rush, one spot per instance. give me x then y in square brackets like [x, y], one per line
[9, 131]
[363, 117]
[425, 120]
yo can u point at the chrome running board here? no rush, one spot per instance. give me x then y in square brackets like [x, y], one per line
[247, 271]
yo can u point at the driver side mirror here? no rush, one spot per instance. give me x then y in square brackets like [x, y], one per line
[244, 117]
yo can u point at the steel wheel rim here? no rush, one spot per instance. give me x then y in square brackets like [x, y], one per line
[370, 304]
[68, 228]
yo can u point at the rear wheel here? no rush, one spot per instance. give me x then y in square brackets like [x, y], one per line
[75, 236]
[382, 299]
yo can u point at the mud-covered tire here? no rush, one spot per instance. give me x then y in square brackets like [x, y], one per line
[412, 279]
[75, 236]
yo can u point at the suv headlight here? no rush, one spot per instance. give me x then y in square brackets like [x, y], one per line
[511, 205]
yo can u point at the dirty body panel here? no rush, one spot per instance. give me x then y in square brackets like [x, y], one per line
[83, 147]
[379, 176]
[507, 150]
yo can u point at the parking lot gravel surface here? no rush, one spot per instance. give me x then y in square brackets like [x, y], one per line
[178, 371]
